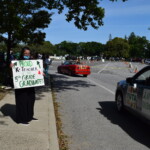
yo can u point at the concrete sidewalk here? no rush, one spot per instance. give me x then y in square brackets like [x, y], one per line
[39, 135]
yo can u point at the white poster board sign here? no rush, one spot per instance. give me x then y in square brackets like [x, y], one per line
[27, 73]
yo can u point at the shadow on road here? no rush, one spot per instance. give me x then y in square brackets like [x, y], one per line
[64, 82]
[134, 127]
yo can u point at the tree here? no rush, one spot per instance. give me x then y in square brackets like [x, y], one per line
[45, 48]
[2, 47]
[117, 47]
[147, 52]
[23, 20]
[91, 48]
[66, 47]
[138, 46]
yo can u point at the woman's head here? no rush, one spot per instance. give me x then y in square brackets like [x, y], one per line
[25, 53]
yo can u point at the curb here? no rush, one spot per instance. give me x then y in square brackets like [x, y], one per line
[53, 137]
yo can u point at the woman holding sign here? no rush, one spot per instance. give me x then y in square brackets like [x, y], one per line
[25, 97]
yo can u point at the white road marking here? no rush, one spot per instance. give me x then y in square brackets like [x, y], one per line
[102, 86]
[103, 68]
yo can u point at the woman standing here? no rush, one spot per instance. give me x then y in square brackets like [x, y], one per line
[25, 97]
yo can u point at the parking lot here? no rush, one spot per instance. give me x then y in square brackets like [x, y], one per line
[89, 115]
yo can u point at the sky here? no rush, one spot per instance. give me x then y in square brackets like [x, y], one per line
[121, 19]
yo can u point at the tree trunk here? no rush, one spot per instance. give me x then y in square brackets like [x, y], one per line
[8, 44]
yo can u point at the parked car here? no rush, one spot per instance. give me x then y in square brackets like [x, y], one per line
[136, 59]
[74, 68]
[147, 61]
[96, 58]
[133, 94]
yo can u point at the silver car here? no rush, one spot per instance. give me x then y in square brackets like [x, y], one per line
[133, 94]
[147, 61]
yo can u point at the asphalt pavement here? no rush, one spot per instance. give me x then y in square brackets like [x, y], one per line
[38, 135]
[88, 110]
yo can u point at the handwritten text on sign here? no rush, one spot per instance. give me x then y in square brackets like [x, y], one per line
[27, 73]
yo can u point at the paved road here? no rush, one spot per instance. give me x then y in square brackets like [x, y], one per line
[88, 110]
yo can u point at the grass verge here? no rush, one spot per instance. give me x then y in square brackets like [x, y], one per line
[63, 139]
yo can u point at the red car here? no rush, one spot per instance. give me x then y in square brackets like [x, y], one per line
[74, 68]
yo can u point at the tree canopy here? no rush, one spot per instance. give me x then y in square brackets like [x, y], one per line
[138, 46]
[117, 47]
[24, 20]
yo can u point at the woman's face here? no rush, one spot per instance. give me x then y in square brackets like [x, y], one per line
[26, 53]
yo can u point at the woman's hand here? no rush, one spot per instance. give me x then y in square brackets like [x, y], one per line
[11, 65]
[43, 74]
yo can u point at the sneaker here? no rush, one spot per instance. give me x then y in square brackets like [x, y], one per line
[24, 123]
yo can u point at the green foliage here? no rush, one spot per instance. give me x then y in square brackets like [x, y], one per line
[132, 46]
[91, 48]
[79, 49]
[147, 51]
[24, 20]
[3, 47]
[66, 48]
[139, 46]
[117, 47]
[44, 48]
[83, 13]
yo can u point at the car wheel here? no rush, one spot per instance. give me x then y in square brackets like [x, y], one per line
[119, 102]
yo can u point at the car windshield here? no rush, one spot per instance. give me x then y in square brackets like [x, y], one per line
[71, 62]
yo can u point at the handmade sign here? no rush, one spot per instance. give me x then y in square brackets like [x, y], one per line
[27, 73]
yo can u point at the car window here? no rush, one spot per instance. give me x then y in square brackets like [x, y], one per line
[144, 78]
[144, 75]
[66, 63]
[73, 62]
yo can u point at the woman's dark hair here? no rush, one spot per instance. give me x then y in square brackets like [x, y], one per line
[22, 52]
